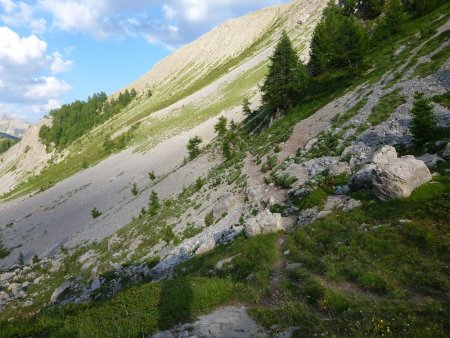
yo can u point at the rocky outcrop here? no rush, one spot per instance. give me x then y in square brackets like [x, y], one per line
[264, 223]
[431, 160]
[224, 205]
[391, 177]
[339, 168]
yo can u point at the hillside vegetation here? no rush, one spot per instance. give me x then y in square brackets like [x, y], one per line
[6, 143]
[366, 268]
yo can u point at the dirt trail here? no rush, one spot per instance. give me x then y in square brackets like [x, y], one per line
[309, 128]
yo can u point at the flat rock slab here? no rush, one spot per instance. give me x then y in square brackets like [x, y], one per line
[227, 322]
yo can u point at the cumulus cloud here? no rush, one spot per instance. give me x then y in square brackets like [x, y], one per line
[23, 60]
[20, 13]
[18, 50]
[46, 87]
[58, 64]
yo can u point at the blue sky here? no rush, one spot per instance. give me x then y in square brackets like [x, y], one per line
[55, 51]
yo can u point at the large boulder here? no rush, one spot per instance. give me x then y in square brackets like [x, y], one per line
[391, 177]
[363, 178]
[264, 223]
[400, 178]
[385, 155]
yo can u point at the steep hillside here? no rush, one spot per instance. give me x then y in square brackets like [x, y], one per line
[331, 221]
[156, 142]
[185, 94]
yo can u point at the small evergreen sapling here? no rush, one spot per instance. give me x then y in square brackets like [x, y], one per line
[95, 213]
[154, 204]
[221, 126]
[193, 147]
[134, 189]
[152, 175]
[423, 122]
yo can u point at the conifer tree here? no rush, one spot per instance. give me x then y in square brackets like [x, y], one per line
[193, 147]
[338, 42]
[246, 107]
[154, 204]
[221, 126]
[393, 18]
[423, 122]
[283, 82]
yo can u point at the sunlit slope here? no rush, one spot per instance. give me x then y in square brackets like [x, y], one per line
[204, 79]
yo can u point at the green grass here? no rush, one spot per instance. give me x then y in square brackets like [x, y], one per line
[4, 252]
[364, 273]
[368, 273]
[5, 144]
[150, 307]
[340, 119]
[435, 63]
[135, 312]
[315, 198]
[385, 107]
[443, 99]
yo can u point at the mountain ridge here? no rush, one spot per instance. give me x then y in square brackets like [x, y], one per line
[13, 126]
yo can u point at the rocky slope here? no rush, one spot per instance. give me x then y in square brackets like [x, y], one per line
[298, 172]
[63, 212]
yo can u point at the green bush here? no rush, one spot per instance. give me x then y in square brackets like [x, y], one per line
[5, 144]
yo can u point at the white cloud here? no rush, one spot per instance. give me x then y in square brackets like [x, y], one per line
[22, 14]
[58, 64]
[24, 85]
[46, 87]
[84, 15]
[20, 50]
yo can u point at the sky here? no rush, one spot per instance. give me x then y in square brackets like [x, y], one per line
[56, 51]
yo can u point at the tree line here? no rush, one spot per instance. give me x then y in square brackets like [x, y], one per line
[73, 120]
[340, 45]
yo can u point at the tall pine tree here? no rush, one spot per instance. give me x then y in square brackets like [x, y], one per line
[338, 42]
[285, 79]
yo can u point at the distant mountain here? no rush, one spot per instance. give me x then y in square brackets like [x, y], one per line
[7, 136]
[13, 126]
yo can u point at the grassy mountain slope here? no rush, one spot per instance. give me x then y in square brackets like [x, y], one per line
[380, 269]
[186, 93]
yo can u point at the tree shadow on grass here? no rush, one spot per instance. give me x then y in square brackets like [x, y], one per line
[175, 303]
